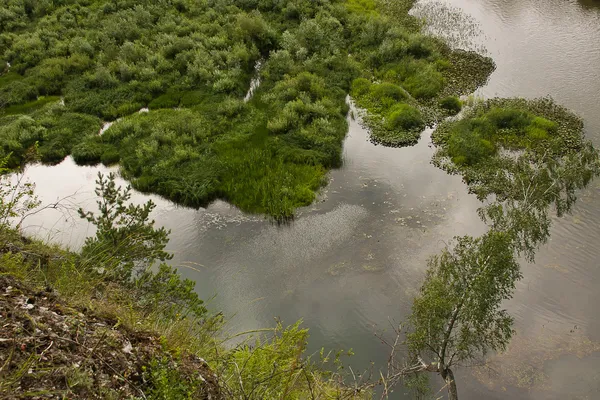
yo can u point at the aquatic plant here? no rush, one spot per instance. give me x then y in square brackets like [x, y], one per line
[525, 155]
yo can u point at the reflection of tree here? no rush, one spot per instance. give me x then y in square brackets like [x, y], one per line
[523, 364]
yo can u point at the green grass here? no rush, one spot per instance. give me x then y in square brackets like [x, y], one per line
[515, 125]
[30, 106]
[451, 104]
[269, 155]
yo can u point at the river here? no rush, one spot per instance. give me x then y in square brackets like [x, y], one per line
[351, 263]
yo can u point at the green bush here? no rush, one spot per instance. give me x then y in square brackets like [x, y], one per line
[452, 104]
[193, 98]
[425, 83]
[53, 153]
[110, 156]
[404, 117]
[467, 148]
[168, 383]
[360, 87]
[387, 90]
[167, 100]
[421, 46]
[30, 106]
[544, 124]
[88, 152]
[508, 118]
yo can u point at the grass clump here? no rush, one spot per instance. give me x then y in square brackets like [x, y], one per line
[516, 136]
[387, 92]
[405, 117]
[451, 104]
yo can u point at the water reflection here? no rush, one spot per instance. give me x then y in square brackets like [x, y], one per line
[354, 259]
[590, 4]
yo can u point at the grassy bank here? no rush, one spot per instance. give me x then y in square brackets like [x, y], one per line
[114, 321]
[191, 63]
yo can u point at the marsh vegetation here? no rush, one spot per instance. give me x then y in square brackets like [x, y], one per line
[68, 67]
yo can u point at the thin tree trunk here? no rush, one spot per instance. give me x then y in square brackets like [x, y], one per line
[451, 384]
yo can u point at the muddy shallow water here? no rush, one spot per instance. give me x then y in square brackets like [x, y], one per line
[354, 259]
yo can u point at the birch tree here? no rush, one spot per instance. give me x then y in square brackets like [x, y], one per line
[457, 317]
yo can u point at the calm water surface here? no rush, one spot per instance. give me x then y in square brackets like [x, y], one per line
[353, 260]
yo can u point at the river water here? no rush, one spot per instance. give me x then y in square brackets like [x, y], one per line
[351, 263]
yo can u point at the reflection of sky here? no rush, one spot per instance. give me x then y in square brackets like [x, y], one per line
[356, 257]
[552, 48]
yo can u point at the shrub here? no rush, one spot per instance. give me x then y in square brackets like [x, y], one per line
[467, 148]
[88, 152]
[360, 87]
[421, 46]
[387, 91]
[167, 100]
[405, 117]
[31, 106]
[110, 156]
[192, 98]
[426, 83]
[126, 240]
[53, 154]
[452, 104]
[508, 118]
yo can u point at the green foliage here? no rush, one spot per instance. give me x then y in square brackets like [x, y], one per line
[167, 100]
[457, 316]
[126, 241]
[88, 153]
[166, 293]
[360, 87]
[467, 147]
[277, 368]
[508, 118]
[387, 91]
[458, 311]
[405, 117]
[540, 149]
[167, 382]
[195, 60]
[427, 83]
[452, 104]
[30, 106]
